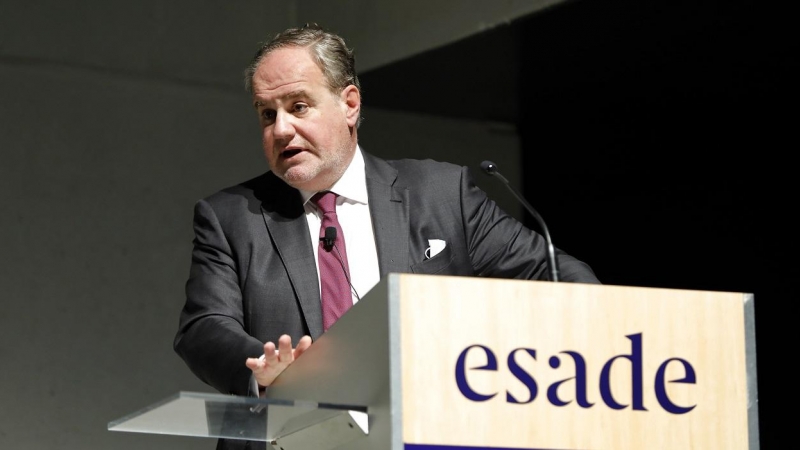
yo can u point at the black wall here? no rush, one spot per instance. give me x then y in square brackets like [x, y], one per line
[662, 141]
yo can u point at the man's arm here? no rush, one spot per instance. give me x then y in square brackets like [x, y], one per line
[211, 337]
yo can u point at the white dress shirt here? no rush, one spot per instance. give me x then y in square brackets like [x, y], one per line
[352, 209]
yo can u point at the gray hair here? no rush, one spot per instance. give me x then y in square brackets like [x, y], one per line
[329, 50]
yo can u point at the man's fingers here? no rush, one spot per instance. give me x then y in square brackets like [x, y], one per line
[285, 349]
[283, 354]
[302, 345]
[276, 360]
[304, 342]
[253, 363]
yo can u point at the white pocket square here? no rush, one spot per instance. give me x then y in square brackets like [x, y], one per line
[435, 247]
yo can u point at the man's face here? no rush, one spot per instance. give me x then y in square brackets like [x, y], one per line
[308, 132]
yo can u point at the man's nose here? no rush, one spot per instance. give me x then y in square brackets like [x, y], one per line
[284, 126]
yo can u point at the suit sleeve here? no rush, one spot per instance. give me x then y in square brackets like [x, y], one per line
[211, 336]
[502, 247]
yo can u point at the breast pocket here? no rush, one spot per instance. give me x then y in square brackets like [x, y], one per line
[437, 264]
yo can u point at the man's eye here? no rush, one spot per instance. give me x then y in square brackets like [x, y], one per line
[268, 115]
[300, 107]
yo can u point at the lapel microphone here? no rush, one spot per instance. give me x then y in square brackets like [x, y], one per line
[328, 241]
[552, 263]
[330, 237]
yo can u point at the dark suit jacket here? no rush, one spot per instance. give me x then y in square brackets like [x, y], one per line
[253, 275]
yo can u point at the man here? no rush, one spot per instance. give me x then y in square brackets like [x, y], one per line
[254, 276]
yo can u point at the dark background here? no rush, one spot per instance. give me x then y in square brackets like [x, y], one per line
[657, 143]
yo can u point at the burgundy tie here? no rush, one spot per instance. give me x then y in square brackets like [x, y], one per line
[334, 272]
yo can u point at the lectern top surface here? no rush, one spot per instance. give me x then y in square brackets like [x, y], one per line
[226, 416]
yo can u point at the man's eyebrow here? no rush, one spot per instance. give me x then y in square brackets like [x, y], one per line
[288, 96]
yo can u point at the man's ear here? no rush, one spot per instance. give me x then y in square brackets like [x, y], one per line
[351, 101]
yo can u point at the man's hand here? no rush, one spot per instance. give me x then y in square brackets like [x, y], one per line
[276, 360]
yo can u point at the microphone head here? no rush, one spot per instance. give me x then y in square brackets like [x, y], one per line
[330, 234]
[489, 167]
[329, 239]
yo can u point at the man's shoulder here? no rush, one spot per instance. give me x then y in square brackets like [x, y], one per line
[253, 189]
[421, 168]
[426, 165]
[428, 174]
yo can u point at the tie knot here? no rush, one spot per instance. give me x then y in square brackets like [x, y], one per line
[326, 201]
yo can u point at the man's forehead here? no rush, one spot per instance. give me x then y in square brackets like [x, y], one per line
[286, 73]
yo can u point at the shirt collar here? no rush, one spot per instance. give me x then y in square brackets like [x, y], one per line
[353, 183]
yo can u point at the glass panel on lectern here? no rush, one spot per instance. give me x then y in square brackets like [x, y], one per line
[225, 416]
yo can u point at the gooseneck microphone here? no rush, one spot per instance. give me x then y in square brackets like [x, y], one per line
[491, 169]
[329, 241]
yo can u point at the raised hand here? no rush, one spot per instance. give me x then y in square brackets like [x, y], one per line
[276, 360]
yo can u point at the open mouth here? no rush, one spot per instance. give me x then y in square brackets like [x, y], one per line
[288, 153]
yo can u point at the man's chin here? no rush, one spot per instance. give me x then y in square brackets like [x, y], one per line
[299, 179]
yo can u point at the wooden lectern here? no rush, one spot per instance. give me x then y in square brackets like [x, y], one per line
[440, 362]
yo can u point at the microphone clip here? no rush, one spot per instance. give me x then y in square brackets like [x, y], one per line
[329, 239]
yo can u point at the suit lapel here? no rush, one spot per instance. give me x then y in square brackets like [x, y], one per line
[388, 206]
[285, 219]
[286, 222]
